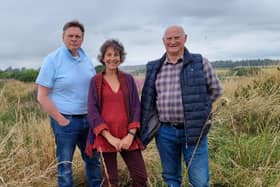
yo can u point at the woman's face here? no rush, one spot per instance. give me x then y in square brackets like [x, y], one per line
[112, 59]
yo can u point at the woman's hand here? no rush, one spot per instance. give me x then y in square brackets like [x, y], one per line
[126, 142]
[115, 142]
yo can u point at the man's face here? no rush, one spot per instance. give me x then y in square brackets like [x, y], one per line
[174, 41]
[73, 38]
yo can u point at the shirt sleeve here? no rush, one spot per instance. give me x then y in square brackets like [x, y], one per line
[46, 74]
[214, 87]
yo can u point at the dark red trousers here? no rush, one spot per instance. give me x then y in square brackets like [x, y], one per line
[135, 164]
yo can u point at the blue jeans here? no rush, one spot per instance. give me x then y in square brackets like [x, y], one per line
[66, 139]
[171, 144]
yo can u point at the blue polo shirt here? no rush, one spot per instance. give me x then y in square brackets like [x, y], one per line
[68, 79]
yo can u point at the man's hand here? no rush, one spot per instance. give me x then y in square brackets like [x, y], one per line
[63, 121]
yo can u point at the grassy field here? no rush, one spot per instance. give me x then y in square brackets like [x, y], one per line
[244, 142]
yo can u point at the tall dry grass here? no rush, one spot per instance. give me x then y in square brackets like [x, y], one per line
[26, 147]
[244, 146]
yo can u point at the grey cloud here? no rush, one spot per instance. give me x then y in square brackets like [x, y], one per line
[219, 29]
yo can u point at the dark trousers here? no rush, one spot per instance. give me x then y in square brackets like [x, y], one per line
[135, 164]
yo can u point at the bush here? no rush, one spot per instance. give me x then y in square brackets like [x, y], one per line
[99, 68]
[244, 71]
[29, 75]
[25, 75]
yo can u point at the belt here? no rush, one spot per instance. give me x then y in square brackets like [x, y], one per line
[79, 116]
[174, 124]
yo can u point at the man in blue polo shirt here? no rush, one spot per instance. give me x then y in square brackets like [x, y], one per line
[63, 84]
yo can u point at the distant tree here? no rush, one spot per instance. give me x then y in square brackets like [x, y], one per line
[241, 63]
[23, 74]
[8, 69]
[99, 68]
[28, 75]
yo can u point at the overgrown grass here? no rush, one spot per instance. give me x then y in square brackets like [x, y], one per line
[244, 145]
[245, 140]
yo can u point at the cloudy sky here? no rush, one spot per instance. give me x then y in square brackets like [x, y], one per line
[219, 29]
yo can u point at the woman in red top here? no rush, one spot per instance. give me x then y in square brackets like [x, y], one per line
[114, 117]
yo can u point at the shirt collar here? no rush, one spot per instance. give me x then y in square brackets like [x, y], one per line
[166, 61]
[77, 59]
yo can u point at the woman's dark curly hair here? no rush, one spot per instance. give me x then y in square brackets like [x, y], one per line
[116, 45]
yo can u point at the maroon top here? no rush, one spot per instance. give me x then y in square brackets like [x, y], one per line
[123, 111]
[114, 115]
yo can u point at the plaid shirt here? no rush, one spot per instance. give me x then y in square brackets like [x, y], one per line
[168, 87]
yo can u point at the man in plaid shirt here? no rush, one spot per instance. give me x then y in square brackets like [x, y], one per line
[180, 87]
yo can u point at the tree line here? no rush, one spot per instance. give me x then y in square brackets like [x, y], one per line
[240, 63]
[29, 75]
